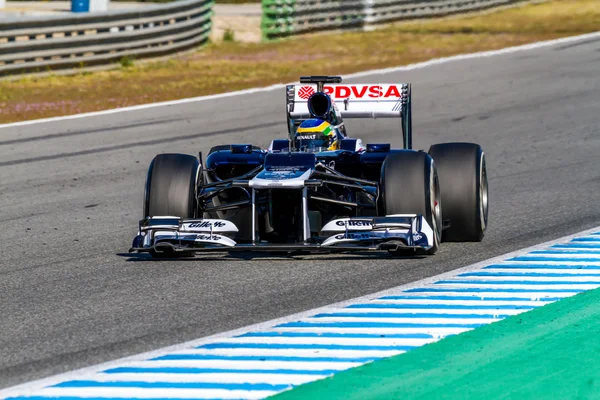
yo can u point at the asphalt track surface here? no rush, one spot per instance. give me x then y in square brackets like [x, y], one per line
[71, 195]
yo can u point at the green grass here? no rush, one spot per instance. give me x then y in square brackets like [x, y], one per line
[232, 65]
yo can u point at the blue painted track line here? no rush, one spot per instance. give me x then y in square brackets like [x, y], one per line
[533, 283]
[529, 274]
[568, 251]
[301, 324]
[338, 335]
[438, 306]
[493, 290]
[587, 239]
[170, 385]
[541, 266]
[462, 298]
[419, 315]
[182, 357]
[558, 259]
[193, 370]
[295, 346]
[576, 246]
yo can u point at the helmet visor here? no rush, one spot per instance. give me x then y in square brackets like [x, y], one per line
[312, 142]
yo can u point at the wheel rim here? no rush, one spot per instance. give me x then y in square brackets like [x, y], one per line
[483, 193]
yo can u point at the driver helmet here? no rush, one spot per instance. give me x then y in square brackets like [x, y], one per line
[316, 135]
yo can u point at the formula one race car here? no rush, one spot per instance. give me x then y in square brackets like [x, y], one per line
[318, 190]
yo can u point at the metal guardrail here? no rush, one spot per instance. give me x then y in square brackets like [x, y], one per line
[42, 44]
[289, 17]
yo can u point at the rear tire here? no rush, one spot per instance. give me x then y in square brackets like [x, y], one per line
[409, 185]
[171, 191]
[463, 183]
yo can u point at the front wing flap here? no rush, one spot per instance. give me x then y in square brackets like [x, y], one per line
[392, 232]
[404, 230]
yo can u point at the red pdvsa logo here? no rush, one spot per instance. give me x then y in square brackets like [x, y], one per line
[305, 92]
[363, 91]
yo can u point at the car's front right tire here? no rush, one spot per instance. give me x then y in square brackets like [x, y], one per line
[409, 185]
[464, 187]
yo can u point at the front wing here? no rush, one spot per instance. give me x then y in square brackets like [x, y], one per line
[393, 232]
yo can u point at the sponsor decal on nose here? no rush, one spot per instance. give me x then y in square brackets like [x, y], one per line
[354, 223]
[207, 224]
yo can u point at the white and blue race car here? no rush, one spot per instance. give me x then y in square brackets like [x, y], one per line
[342, 196]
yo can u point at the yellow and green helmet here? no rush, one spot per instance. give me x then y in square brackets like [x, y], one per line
[316, 135]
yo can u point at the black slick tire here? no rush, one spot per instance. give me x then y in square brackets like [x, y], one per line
[409, 185]
[171, 190]
[463, 183]
[171, 186]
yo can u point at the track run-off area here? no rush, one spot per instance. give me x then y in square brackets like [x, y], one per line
[72, 195]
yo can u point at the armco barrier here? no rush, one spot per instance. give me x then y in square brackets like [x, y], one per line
[288, 17]
[42, 44]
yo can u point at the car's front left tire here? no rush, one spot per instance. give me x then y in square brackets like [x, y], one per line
[171, 186]
[171, 191]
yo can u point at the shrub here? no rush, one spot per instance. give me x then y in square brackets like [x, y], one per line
[228, 35]
[126, 61]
